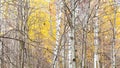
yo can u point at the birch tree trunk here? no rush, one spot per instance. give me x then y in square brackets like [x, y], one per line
[58, 21]
[84, 34]
[71, 47]
[113, 39]
[96, 39]
[2, 23]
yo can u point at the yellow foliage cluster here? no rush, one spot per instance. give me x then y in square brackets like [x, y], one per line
[41, 23]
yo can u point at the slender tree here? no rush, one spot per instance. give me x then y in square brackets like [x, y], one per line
[113, 58]
[96, 36]
[71, 45]
[84, 34]
[2, 30]
[58, 21]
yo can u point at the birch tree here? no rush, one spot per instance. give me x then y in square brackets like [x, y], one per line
[96, 36]
[2, 31]
[71, 44]
[84, 32]
[58, 21]
[113, 58]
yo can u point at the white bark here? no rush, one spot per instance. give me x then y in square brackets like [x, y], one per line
[71, 45]
[58, 21]
[84, 34]
[113, 57]
[96, 39]
[2, 23]
[63, 51]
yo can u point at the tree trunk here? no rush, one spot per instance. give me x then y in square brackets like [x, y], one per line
[113, 39]
[58, 21]
[96, 38]
[2, 31]
[84, 34]
[71, 45]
